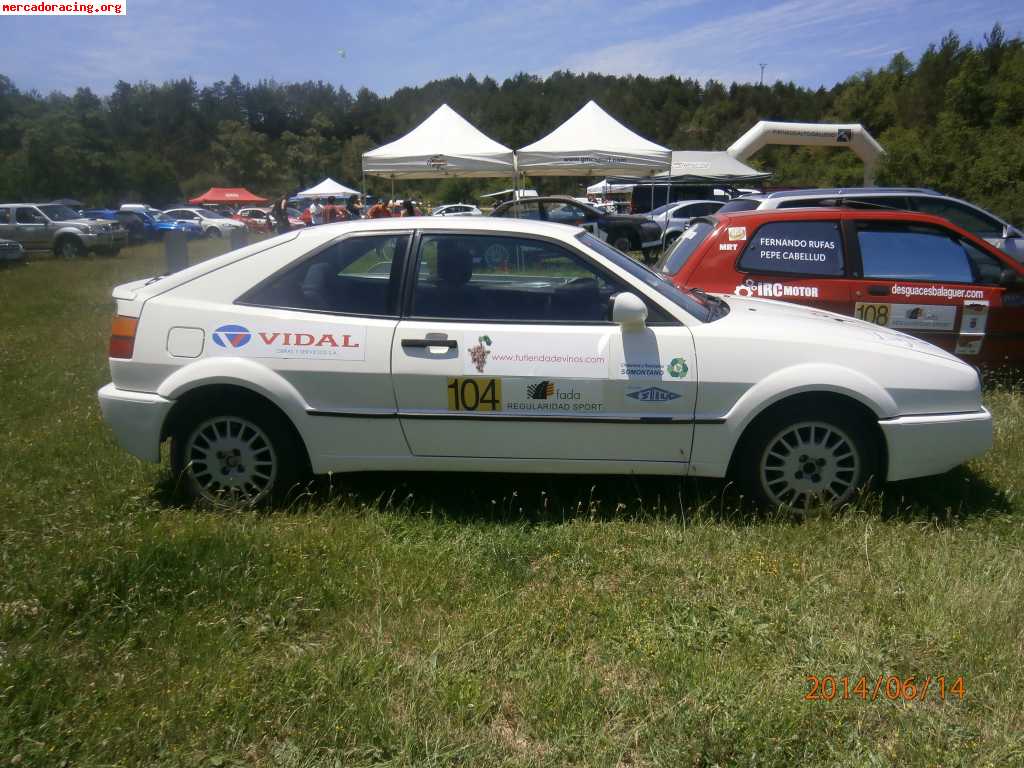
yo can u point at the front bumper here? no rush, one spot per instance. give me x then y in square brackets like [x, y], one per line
[136, 418]
[928, 445]
[101, 241]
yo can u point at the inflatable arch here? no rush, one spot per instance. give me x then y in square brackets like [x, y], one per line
[854, 137]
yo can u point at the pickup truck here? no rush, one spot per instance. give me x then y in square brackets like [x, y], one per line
[60, 229]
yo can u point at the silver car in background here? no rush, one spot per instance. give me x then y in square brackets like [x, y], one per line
[975, 220]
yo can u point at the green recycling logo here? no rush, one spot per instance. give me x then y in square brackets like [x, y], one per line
[678, 368]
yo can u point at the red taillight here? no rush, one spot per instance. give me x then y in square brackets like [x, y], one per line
[122, 336]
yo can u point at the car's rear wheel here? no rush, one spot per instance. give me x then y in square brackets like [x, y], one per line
[69, 247]
[622, 242]
[234, 456]
[798, 458]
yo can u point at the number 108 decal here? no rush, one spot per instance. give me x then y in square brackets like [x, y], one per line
[474, 394]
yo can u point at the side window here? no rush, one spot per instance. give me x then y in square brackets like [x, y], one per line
[801, 203]
[565, 213]
[909, 252]
[973, 221]
[528, 210]
[879, 201]
[357, 275]
[28, 216]
[470, 277]
[5, 216]
[795, 247]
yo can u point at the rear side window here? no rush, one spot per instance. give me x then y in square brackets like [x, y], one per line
[909, 252]
[528, 210]
[357, 275]
[795, 247]
[5, 215]
[685, 246]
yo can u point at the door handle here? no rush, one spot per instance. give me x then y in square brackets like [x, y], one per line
[423, 343]
[878, 290]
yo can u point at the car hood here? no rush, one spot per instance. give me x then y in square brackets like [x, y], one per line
[792, 321]
[85, 221]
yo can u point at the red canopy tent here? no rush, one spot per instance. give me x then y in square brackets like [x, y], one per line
[229, 196]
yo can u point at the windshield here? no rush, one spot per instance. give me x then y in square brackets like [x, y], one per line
[59, 212]
[700, 305]
[210, 214]
[695, 234]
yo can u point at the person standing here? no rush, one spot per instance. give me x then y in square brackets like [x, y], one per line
[352, 206]
[379, 211]
[316, 212]
[408, 209]
[279, 216]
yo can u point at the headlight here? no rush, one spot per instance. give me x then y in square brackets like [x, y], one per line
[85, 228]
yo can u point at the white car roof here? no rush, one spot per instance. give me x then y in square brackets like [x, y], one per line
[493, 224]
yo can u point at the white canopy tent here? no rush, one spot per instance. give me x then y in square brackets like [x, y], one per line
[443, 145]
[328, 188]
[592, 142]
[605, 187]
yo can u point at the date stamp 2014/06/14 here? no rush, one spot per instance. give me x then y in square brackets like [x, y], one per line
[886, 687]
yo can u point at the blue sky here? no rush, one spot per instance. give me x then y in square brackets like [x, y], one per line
[388, 45]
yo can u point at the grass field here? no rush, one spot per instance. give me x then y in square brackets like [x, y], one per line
[476, 620]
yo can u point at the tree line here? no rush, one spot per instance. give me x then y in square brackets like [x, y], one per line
[954, 121]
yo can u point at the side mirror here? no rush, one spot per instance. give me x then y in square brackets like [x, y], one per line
[1010, 232]
[629, 311]
[1010, 279]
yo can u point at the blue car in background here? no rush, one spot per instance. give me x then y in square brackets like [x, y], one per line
[144, 226]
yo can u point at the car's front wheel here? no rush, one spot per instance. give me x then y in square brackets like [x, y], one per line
[232, 455]
[213, 232]
[69, 247]
[798, 457]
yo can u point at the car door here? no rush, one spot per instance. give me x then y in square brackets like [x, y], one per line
[507, 352]
[929, 282]
[30, 228]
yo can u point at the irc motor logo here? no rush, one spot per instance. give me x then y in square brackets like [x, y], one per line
[678, 368]
[233, 336]
[542, 390]
[479, 353]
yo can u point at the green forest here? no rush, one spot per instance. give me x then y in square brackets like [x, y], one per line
[953, 120]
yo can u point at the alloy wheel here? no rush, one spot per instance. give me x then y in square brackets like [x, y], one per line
[231, 460]
[810, 462]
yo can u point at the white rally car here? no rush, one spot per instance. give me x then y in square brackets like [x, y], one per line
[486, 344]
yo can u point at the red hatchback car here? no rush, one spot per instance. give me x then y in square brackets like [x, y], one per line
[908, 271]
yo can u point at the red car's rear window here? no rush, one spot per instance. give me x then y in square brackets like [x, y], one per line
[685, 246]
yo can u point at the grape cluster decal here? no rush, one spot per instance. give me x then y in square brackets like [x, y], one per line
[479, 353]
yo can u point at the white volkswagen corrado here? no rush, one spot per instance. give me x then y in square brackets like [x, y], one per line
[503, 345]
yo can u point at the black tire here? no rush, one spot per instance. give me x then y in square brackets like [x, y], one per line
[213, 232]
[800, 455]
[69, 247]
[621, 241]
[222, 431]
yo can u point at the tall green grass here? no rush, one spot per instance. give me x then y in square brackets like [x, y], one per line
[474, 620]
